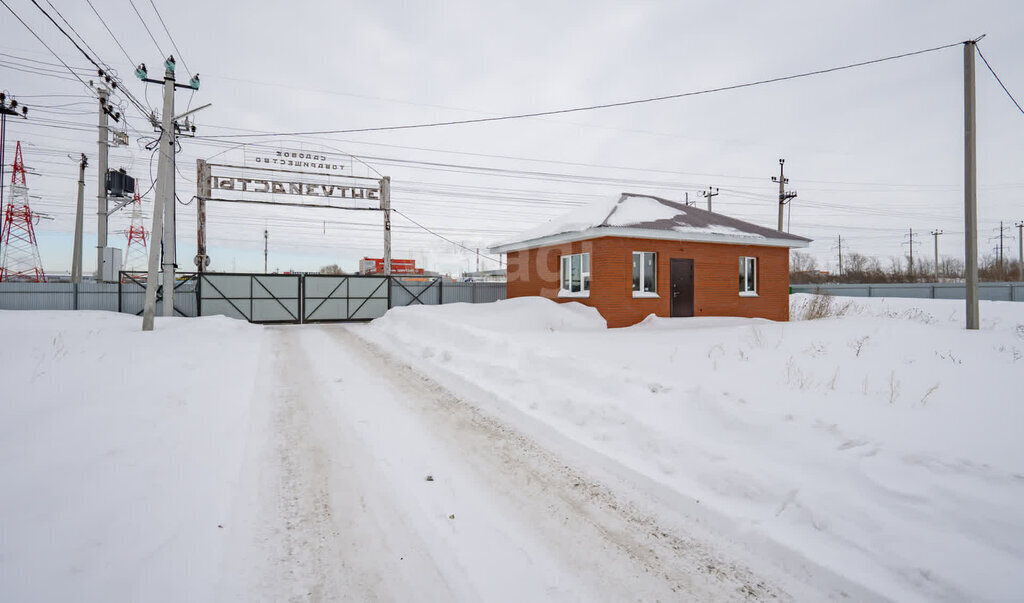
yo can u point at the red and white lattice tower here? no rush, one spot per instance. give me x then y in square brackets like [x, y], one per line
[21, 261]
[136, 257]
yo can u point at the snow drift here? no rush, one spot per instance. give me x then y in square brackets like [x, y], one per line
[880, 448]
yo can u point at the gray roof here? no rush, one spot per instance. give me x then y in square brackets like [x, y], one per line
[647, 216]
[695, 217]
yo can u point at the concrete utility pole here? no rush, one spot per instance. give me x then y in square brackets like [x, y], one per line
[784, 196]
[840, 256]
[709, 194]
[266, 236]
[385, 201]
[935, 234]
[970, 188]
[910, 268]
[163, 198]
[1020, 249]
[101, 180]
[167, 157]
[76, 253]
[1000, 246]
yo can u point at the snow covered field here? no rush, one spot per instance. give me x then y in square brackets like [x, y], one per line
[111, 489]
[881, 449]
[874, 455]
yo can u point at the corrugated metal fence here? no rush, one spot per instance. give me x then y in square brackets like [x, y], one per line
[406, 292]
[105, 296]
[58, 296]
[986, 291]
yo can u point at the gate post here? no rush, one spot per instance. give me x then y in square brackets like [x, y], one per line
[440, 290]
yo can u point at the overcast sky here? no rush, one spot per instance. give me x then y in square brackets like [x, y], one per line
[871, 152]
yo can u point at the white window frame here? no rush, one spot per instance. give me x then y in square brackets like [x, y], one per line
[748, 272]
[641, 292]
[565, 266]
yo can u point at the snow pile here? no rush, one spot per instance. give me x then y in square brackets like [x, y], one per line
[518, 315]
[119, 453]
[879, 450]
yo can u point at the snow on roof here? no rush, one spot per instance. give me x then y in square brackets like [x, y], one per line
[648, 213]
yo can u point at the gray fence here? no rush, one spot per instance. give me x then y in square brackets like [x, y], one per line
[405, 292]
[129, 296]
[58, 296]
[986, 291]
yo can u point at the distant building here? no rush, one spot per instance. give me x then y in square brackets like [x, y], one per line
[376, 266]
[485, 276]
[637, 255]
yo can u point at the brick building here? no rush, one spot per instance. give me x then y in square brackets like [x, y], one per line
[638, 255]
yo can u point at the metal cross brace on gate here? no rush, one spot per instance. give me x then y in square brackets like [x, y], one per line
[416, 296]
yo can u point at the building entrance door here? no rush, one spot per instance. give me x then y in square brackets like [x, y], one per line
[681, 276]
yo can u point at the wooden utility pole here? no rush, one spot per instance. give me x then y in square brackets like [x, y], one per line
[265, 239]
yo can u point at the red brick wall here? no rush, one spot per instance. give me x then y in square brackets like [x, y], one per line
[715, 280]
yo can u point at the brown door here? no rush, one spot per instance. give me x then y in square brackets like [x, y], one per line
[681, 275]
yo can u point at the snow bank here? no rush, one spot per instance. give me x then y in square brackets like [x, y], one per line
[119, 453]
[518, 315]
[881, 448]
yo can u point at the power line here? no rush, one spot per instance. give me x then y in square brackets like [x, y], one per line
[139, 15]
[118, 42]
[442, 236]
[72, 28]
[594, 107]
[181, 57]
[31, 31]
[102, 70]
[984, 60]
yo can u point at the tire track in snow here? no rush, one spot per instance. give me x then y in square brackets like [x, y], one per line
[317, 529]
[637, 558]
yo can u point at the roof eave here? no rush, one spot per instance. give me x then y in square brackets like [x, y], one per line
[640, 233]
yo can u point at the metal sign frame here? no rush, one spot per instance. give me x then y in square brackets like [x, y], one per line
[207, 182]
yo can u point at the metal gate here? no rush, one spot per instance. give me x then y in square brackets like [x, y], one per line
[301, 298]
[333, 298]
[261, 298]
[131, 293]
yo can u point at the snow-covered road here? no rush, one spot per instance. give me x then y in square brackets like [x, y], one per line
[336, 503]
[870, 457]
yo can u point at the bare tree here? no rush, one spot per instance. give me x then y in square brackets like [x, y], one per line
[332, 269]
